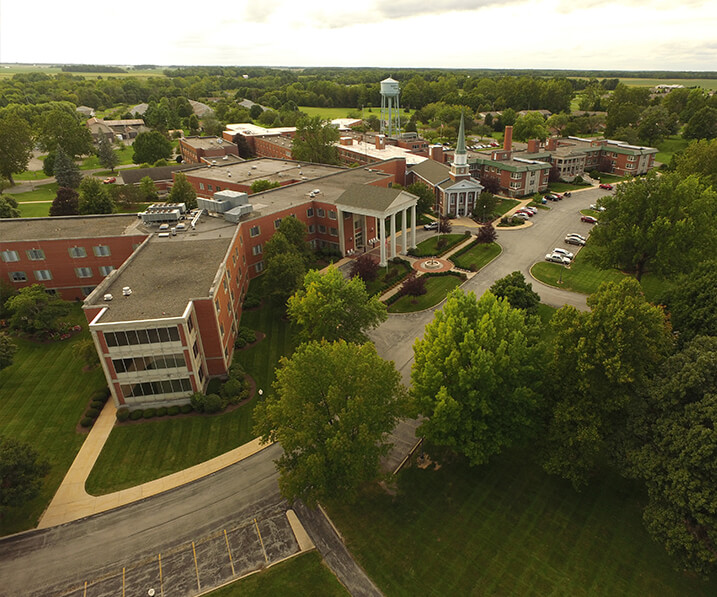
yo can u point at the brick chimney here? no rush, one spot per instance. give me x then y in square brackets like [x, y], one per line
[435, 152]
[508, 138]
[533, 146]
[380, 141]
[552, 144]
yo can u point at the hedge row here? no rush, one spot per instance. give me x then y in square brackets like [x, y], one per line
[124, 413]
[97, 403]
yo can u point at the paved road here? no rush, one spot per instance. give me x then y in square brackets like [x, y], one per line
[199, 535]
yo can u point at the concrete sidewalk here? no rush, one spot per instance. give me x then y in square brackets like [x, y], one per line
[72, 502]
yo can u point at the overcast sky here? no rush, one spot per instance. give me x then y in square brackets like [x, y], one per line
[571, 34]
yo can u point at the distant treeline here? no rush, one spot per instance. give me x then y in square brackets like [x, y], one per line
[91, 68]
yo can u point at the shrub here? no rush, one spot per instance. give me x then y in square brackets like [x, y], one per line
[173, 410]
[365, 267]
[236, 370]
[467, 233]
[486, 234]
[251, 301]
[92, 413]
[186, 409]
[244, 336]
[87, 422]
[595, 174]
[231, 388]
[442, 242]
[98, 404]
[122, 414]
[197, 401]
[578, 180]
[161, 411]
[213, 404]
[149, 413]
[413, 285]
[473, 267]
[135, 415]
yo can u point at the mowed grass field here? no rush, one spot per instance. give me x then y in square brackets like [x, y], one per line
[43, 396]
[477, 257]
[147, 450]
[437, 288]
[637, 82]
[331, 113]
[8, 70]
[507, 528]
[305, 574]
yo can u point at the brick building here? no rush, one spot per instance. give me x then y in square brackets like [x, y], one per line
[204, 150]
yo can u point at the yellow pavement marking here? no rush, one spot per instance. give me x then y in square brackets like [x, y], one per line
[256, 524]
[85, 593]
[229, 551]
[196, 568]
[161, 581]
[123, 581]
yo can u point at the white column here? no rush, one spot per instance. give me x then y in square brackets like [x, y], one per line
[393, 235]
[382, 242]
[465, 208]
[413, 227]
[404, 236]
[342, 240]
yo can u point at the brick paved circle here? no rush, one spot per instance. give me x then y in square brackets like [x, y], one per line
[445, 265]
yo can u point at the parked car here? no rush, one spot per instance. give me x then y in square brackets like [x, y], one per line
[530, 208]
[527, 212]
[521, 214]
[494, 144]
[596, 207]
[588, 219]
[574, 240]
[576, 235]
[607, 187]
[557, 258]
[109, 180]
[431, 226]
[550, 197]
[564, 252]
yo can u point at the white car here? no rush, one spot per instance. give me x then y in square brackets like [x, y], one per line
[574, 240]
[529, 213]
[529, 208]
[595, 207]
[563, 252]
[521, 214]
[576, 235]
[557, 258]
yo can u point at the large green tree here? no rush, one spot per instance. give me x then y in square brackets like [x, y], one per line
[520, 294]
[182, 191]
[16, 141]
[662, 224]
[151, 146]
[94, 198]
[676, 455]
[106, 154]
[475, 374]
[700, 158]
[60, 127]
[33, 311]
[426, 197]
[601, 364]
[67, 173]
[285, 269]
[7, 350]
[530, 126]
[148, 189]
[294, 231]
[21, 472]
[332, 408]
[8, 207]
[65, 203]
[329, 307]
[314, 141]
[702, 125]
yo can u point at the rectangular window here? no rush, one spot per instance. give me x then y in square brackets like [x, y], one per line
[18, 276]
[332, 214]
[174, 334]
[219, 188]
[312, 228]
[210, 187]
[10, 256]
[101, 251]
[43, 274]
[83, 272]
[201, 186]
[254, 231]
[221, 328]
[195, 349]
[106, 269]
[310, 212]
[77, 252]
[277, 223]
[322, 213]
[322, 229]
[218, 305]
[259, 267]
[333, 232]
[35, 254]
[256, 250]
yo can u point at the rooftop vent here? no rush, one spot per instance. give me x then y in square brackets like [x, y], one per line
[229, 173]
[126, 291]
[107, 297]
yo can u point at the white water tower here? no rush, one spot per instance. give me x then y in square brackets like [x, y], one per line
[390, 111]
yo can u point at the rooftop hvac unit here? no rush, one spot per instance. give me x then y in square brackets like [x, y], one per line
[107, 297]
[126, 291]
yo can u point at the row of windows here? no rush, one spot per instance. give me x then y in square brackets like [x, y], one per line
[321, 213]
[10, 256]
[166, 361]
[43, 275]
[148, 336]
[209, 187]
[150, 388]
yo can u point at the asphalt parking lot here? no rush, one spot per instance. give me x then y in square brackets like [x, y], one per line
[193, 567]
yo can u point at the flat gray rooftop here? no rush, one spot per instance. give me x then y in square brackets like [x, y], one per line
[68, 227]
[264, 169]
[164, 276]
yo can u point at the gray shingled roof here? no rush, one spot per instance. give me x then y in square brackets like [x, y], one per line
[432, 171]
[368, 197]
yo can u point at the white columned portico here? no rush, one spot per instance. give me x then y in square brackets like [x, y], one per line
[404, 236]
[414, 223]
[393, 235]
[342, 240]
[382, 242]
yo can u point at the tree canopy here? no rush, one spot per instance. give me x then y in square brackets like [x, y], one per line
[517, 291]
[332, 406]
[692, 302]
[661, 224]
[60, 127]
[7, 350]
[182, 191]
[16, 141]
[65, 203]
[474, 377]
[67, 173]
[32, 310]
[106, 154]
[314, 141]
[150, 146]
[329, 307]
[94, 198]
[530, 126]
[700, 158]
[8, 207]
[21, 472]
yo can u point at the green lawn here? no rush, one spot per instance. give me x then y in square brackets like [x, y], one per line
[477, 256]
[505, 206]
[586, 278]
[637, 82]
[43, 192]
[44, 395]
[669, 147]
[561, 187]
[507, 528]
[124, 154]
[611, 178]
[304, 574]
[437, 287]
[429, 247]
[30, 175]
[148, 450]
[34, 210]
[387, 277]
[331, 113]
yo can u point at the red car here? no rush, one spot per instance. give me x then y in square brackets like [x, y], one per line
[109, 180]
[588, 219]
[607, 187]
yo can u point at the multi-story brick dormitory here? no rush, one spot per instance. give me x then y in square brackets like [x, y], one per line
[163, 308]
